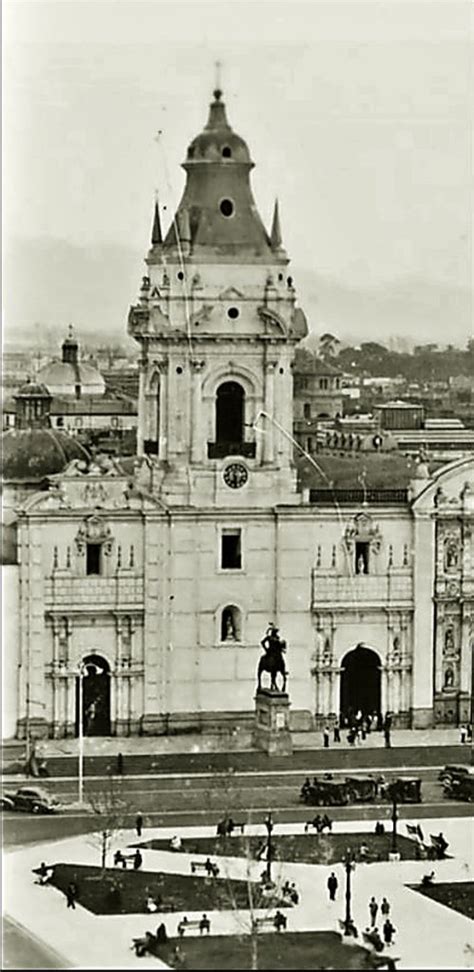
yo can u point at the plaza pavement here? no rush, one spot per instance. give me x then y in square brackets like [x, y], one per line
[238, 740]
[429, 935]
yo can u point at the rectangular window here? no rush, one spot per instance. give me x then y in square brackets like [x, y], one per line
[231, 550]
[309, 445]
[93, 558]
[307, 410]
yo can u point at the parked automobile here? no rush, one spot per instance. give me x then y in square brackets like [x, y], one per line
[7, 803]
[458, 784]
[361, 789]
[405, 789]
[452, 770]
[31, 799]
[326, 793]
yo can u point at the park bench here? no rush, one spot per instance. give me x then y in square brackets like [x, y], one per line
[208, 866]
[276, 922]
[143, 945]
[45, 875]
[320, 823]
[122, 859]
[202, 923]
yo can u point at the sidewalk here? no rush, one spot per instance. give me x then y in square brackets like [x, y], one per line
[239, 741]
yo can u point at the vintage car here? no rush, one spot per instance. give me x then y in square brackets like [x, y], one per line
[405, 789]
[361, 789]
[326, 793]
[460, 785]
[452, 771]
[31, 799]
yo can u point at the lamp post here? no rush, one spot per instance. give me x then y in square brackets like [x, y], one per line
[349, 866]
[394, 821]
[83, 669]
[269, 825]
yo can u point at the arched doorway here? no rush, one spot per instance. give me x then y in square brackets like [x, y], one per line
[360, 682]
[95, 697]
[230, 413]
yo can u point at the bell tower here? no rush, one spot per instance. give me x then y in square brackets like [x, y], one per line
[217, 323]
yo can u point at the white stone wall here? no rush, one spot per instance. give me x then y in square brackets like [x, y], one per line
[10, 650]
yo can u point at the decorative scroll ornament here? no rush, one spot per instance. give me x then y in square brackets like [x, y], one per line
[94, 530]
[363, 529]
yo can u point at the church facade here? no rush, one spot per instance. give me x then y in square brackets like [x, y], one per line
[158, 582]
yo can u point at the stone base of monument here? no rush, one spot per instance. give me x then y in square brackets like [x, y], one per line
[272, 723]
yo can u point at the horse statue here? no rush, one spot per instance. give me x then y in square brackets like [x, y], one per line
[272, 661]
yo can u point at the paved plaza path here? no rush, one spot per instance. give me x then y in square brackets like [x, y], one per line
[429, 935]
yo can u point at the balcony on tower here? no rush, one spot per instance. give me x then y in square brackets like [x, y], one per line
[219, 450]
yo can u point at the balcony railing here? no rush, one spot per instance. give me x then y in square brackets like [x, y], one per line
[219, 450]
[375, 589]
[355, 497]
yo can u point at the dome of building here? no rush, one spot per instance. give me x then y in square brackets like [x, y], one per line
[36, 453]
[63, 378]
[70, 377]
[218, 143]
[32, 389]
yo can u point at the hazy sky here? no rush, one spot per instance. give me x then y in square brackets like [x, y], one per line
[357, 115]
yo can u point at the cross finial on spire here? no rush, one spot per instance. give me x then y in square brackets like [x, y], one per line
[218, 80]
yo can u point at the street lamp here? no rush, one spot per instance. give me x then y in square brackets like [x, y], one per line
[269, 825]
[394, 821]
[83, 669]
[349, 866]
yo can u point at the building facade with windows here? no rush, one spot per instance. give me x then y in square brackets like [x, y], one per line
[163, 578]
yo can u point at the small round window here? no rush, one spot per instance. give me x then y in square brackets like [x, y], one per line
[233, 313]
[180, 275]
[227, 207]
[226, 152]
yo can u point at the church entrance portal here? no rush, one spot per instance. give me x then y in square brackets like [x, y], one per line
[95, 697]
[360, 682]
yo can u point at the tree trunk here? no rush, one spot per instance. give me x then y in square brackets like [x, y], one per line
[254, 947]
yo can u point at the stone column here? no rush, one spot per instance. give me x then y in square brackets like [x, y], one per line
[142, 416]
[197, 437]
[163, 432]
[269, 434]
[423, 620]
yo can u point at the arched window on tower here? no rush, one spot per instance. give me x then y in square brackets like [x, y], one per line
[151, 443]
[230, 418]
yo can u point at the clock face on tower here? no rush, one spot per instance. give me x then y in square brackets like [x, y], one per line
[235, 475]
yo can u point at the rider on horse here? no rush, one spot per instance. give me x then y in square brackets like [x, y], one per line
[272, 661]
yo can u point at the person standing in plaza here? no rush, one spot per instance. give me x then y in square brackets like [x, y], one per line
[388, 931]
[373, 909]
[384, 908]
[332, 886]
[71, 895]
[139, 824]
[337, 732]
[326, 738]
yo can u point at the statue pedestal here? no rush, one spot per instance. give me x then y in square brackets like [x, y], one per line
[272, 723]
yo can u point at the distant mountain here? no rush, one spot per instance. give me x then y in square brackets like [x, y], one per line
[49, 283]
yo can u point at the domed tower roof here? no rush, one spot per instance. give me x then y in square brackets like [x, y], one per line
[70, 376]
[217, 215]
[35, 453]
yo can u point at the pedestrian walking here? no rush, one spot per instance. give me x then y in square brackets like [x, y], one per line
[373, 909]
[387, 737]
[119, 764]
[337, 732]
[326, 738]
[139, 824]
[333, 885]
[462, 734]
[137, 860]
[469, 732]
[388, 931]
[71, 895]
[385, 908]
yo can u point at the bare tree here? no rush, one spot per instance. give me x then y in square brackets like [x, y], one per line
[110, 811]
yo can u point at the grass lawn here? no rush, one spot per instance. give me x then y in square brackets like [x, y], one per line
[288, 950]
[120, 891]
[458, 896]
[308, 848]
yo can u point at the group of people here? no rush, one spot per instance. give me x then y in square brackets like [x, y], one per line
[290, 894]
[359, 726]
[371, 934]
[136, 858]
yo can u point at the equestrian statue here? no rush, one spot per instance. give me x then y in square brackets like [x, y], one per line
[272, 661]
